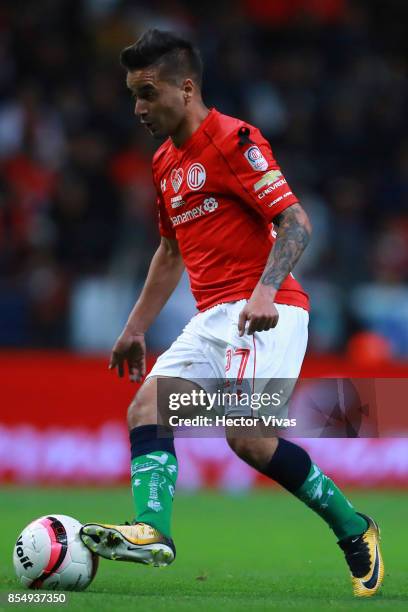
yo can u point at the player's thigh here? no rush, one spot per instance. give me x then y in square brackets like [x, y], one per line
[281, 356]
[150, 406]
[287, 343]
[184, 367]
[269, 363]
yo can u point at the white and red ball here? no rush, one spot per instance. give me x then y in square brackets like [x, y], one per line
[49, 554]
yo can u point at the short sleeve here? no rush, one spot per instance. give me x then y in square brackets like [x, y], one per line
[165, 226]
[254, 175]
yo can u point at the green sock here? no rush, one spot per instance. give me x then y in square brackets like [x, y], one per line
[321, 494]
[153, 483]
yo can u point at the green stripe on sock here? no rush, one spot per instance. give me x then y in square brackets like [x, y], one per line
[321, 495]
[154, 478]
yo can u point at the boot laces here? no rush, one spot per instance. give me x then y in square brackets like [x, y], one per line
[357, 555]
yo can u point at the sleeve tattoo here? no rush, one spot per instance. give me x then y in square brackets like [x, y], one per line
[292, 238]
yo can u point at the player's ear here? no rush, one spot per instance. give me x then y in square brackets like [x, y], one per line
[188, 90]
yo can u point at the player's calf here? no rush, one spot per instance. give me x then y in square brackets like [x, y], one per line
[257, 452]
[154, 470]
[143, 408]
[153, 475]
[358, 535]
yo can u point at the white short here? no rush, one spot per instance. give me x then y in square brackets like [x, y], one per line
[210, 350]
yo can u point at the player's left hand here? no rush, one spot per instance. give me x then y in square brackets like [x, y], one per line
[260, 311]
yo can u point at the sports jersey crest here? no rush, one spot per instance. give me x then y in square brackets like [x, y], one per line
[176, 178]
[255, 158]
[196, 176]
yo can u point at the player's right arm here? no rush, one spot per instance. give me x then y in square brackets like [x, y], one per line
[164, 274]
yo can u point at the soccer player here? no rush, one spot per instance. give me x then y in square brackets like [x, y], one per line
[220, 193]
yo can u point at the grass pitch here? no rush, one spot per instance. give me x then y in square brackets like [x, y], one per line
[258, 551]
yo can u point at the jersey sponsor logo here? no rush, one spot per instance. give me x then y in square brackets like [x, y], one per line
[177, 201]
[207, 207]
[176, 178]
[196, 176]
[271, 188]
[285, 195]
[267, 179]
[210, 204]
[163, 185]
[255, 158]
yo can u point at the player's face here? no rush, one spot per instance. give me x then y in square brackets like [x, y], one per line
[160, 105]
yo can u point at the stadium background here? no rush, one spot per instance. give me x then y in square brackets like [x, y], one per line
[326, 83]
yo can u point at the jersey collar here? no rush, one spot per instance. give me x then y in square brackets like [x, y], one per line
[196, 137]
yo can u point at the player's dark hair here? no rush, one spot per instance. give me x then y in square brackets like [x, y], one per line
[177, 57]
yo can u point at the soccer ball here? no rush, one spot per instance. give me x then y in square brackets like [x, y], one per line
[49, 554]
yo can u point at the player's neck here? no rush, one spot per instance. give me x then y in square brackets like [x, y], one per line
[191, 123]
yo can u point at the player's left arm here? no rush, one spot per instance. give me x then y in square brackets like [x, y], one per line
[294, 230]
[254, 176]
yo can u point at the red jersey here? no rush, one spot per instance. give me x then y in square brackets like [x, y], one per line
[217, 195]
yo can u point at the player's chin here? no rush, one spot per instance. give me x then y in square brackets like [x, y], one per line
[156, 132]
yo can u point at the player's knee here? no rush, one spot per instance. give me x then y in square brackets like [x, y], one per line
[257, 452]
[241, 446]
[142, 409]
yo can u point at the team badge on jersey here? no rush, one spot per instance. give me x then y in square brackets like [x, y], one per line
[176, 178]
[196, 176]
[255, 158]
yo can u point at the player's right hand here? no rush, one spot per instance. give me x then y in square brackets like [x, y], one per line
[129, 348]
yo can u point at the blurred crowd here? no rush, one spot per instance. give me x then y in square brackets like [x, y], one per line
[325, 81]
